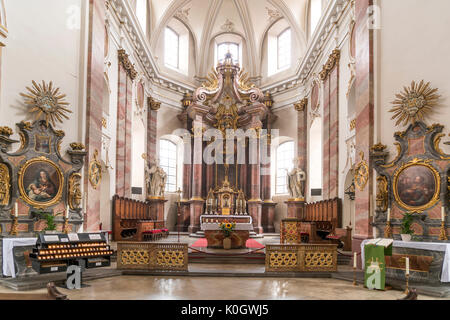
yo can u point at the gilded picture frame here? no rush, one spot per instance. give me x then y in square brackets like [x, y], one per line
[416, 186]
[40, 182]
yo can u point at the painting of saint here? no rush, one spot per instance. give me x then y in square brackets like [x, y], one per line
[41, 182]
[42, 144]
[416, 186]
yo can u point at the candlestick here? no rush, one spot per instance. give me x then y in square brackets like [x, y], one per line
[388, 230]
[407, 265]
[443, 232]
[14, 225]
[16, 209]
[407, 284]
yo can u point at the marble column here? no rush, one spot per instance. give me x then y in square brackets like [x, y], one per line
[152, 126]
[196, 200]
[185, 206]
[268, 205]
[127, 74]
[326, 139]
[94, 107]
[364, 88]
[255, 203]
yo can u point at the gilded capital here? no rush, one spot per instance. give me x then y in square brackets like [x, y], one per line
[301, 106]
[126, 63]
[332, 61]
[153, 104]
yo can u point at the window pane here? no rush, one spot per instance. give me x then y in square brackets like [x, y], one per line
[171, 48]
[168, 162]
[224, 48]
[284, 49]
[284, 161]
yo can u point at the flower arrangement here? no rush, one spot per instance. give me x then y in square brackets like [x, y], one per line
[227, 227]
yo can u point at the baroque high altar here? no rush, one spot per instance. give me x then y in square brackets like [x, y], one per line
[231, 190]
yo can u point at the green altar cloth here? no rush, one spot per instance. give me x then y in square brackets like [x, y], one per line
[375, 265]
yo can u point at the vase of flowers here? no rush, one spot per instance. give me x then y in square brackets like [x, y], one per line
[228, 229]
[406, 231]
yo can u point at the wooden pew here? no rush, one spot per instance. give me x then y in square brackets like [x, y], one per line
[322, 221]
[132, 219]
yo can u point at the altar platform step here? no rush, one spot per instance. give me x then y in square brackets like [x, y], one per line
[59, 278]
[227, 258]
[229, 270]
[252, 234]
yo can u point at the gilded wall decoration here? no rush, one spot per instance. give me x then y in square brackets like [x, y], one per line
[46, 101]
[301, 106]
[126, 64]
[152, 104]
[40, 182]
[75, 195]
[416, 185]
[414, 103]
[382, 197]
[361, 173]
[95, 171]
[332, 61]
[5, 185]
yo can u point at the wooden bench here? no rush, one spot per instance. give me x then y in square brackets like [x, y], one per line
[134, 221]
[322, 221]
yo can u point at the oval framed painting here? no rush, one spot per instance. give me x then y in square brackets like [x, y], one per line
[41, 182]
[416, 186]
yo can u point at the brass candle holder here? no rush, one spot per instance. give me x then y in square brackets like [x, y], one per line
[388, 230]
[14, 225]
[354, 277]
[443, 232]
[407, 284]
[66, 225]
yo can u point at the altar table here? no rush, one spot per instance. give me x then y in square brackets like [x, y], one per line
[434, 256]
[8, 256]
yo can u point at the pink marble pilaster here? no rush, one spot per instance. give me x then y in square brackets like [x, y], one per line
[94, 104]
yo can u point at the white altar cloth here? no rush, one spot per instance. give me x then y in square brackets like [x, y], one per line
[434, 246]
[8, 256]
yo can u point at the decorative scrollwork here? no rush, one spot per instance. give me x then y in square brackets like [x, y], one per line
[5, 185]
[75, 195]
[361, 173]
[283, 259]
[95, 171]
[135, 257]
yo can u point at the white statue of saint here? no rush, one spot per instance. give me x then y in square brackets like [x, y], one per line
[296, 182]
[155, 180]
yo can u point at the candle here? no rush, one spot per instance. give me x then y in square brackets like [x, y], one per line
[354, 260]
[389, 215]
[67, 212]
[443, 213]
[407, 265]
[16, 209]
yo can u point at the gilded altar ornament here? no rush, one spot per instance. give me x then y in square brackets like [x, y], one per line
[436, 143]
[6, 131]
[361, 173]
[212, 81]
[75, 195]
[244, 81]
[382, 194]
[227, 115]
[416, 185]
[77, 146]
[5, 185]
[45, 101]
[95, 171]
[414, 103]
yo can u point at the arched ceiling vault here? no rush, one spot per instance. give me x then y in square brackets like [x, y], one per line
[251, 18]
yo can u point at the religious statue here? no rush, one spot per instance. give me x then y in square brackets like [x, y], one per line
[210, 202]
[155, 180]
[241, 204]
[296, 182]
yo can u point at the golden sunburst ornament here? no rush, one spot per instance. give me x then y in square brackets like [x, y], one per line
[46, 101]
[414, 103]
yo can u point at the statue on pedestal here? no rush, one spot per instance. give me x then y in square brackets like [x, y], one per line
[155, 180]
[241, 204]
[210, 202]
[296, 182]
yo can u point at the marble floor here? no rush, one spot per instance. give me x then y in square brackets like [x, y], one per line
[214, 288]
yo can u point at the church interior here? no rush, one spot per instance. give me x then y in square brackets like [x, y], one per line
[224, 150]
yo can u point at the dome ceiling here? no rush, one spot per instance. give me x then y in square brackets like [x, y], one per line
[249, 18]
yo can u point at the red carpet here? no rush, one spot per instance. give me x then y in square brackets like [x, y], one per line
[251, 244]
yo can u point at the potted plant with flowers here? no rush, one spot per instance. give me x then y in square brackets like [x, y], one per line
[228, 229]
[406, 231]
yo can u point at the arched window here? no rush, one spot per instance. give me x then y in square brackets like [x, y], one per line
[315, 13]
[284, 163]
[141, 13]
[168, 162]
[284, 49]
[224, 48]
[171, 48]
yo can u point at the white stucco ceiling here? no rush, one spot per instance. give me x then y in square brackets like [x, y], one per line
[250, 18]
